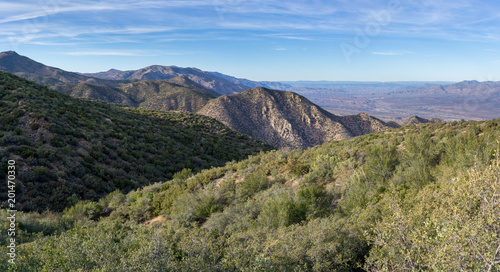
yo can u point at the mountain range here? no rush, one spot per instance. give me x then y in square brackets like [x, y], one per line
[65, 146]
[118, 186]
[157, 72]
[469, 100]
[282, 119]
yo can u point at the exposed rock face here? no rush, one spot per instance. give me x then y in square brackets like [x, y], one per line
[286, 119]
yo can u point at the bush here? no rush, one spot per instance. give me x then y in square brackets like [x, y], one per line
[282, 211]
[35, 126]
[205, 207]
[184, 174]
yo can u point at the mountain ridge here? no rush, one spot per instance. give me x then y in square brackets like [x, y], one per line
[286, 119]
[297, 122]
[65, 146]
[159, 72]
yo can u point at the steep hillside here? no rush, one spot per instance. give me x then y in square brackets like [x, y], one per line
[97, 92]
[179, 94]
[418, 198]
[68, 149]
[157, 72]
[286, 119]
[186, 82]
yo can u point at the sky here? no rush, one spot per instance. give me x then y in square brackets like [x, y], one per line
[343, 40]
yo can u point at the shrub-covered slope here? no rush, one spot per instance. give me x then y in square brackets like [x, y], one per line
[68, 149]
[418, 198]
[148, 94]
[165, 96]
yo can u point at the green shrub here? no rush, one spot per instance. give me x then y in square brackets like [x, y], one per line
[35, 126]
[184, 174]
[252, 184]
[281, 211]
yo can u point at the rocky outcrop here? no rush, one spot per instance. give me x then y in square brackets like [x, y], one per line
[286, 119]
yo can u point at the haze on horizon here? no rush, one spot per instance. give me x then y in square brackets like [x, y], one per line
[357, 40]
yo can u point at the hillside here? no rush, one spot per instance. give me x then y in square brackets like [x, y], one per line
[68, 149]
[286, 119]
[177, 94]
[186, 82]
[157, 72]
[414, 120]
[418, 198]
[166, 96]
[97, 92]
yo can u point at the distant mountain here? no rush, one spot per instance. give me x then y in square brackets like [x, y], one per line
[177, 93]
[286, 119]
[356, 85]
[68, 149]
[157, 72]
[464, 88]
[415, 120]
[14, 63]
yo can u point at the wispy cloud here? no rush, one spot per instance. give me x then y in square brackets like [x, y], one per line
[109, 53]
[461, 19]
[393, 53]
[129, 53]
[287, 36]
[297, 7]
[50, 8]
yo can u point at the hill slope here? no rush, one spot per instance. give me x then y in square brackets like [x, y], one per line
[178, 94]
[286, 119]
[68, 149]
[388, 201]
[98, 92]
[165, 96]
[414, 120]
[186, 82]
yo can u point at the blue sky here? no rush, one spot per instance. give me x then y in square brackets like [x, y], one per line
[360, 40]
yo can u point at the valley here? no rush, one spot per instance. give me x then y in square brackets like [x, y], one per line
[245, 136]
[177, 169]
